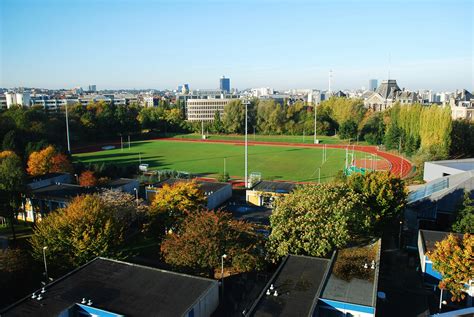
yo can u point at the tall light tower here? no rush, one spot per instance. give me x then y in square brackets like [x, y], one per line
[67, 132]
[246, 144]
[315, 119]
[330, 79]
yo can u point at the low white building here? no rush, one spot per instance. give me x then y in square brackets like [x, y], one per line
[437, 169]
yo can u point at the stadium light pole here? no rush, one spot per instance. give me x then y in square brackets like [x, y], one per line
[246, 146]
[315, 117]
[67, 132]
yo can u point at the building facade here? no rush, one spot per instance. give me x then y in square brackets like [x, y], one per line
[205, 109]
[225, 84]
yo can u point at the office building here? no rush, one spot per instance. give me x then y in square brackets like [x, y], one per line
[225, 84]
[92, 88]
[373, 84]
[205, 109]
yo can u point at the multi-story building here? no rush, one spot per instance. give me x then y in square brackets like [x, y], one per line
[92, 88]
[225, 84]
[387, 94]
[205, 109]
[18, 98]
[462, 106]
[373, 83]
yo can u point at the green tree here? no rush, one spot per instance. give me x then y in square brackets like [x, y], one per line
[314, 220]
[465, 216]
[85, 229]
[10, 141]
[234, 117]
[384, 198]
[205, 236]
[12, 179]
[348, 130]
[217, 123]
[453, 258]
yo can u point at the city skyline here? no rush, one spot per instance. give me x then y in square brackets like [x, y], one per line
[284, 45]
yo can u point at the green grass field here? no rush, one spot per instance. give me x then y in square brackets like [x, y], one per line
[207, 159]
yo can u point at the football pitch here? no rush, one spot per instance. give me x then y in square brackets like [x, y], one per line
[292, 163]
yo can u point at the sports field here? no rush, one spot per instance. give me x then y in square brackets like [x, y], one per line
[208, 159]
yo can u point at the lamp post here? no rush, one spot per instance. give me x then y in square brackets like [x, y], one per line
[222, 274]
[441, 301]
[136, 194]
[45, 265]
[400, 235]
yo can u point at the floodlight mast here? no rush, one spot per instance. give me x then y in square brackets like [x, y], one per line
[246, 145]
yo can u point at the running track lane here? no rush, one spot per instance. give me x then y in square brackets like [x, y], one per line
[398, 164]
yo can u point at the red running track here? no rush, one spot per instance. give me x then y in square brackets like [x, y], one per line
[398, 165]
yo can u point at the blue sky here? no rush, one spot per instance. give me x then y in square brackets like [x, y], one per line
[280, 44]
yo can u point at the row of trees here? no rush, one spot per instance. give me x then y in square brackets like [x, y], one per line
[191, 237]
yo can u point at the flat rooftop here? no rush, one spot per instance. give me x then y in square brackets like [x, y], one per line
[120, 182]
[298, 281]
[118, 287]
[361, 290]
[274, 187]
[463, 165]
[429, 238]
[206, 187]
[61, 192]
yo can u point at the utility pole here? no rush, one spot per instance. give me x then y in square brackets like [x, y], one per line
[129, 141]
[121, 143]
[67, 132]
[319, 175]
[224, 166]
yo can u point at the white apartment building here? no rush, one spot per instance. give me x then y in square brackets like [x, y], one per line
[204, 109]
[18, 98]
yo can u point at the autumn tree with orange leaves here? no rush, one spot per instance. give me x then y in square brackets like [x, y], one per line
[87, 178]
[48, 160]
[204, 236]
[172, 203]
[453, 258]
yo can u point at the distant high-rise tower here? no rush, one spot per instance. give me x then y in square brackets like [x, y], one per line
[225, 84]
[373, 84]
[330, 81]
[92, 88]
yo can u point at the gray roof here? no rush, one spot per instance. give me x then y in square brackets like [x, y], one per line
[298, 280]
[61, 192]
[463, 165]
[274, 187]
[429, 238]
[118, 182]
[388, 88]
[118, 287]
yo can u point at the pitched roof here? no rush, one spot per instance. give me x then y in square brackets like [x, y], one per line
[388, 88]
[274, 187]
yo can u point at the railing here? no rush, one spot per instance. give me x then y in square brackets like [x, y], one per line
[428, 190]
